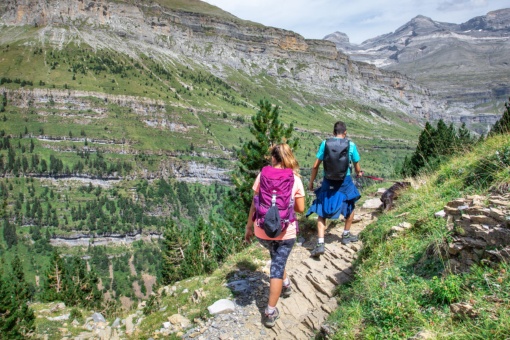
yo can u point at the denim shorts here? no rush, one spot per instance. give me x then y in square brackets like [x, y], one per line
[280, 251]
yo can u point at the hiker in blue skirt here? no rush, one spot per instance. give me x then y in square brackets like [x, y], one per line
[337, 194]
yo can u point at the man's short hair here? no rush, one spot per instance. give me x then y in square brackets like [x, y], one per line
[339, 128]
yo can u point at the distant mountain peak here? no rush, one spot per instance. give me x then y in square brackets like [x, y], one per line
[422, 25]
[464, 63]
[421, 18]
[493, 21]
[337, 37]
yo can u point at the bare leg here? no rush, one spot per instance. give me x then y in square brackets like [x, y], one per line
[347, 237]
[275, 289]
[348, 221]
[321, 226]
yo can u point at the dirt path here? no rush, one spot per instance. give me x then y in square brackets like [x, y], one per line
[312, 299]
[314, 281]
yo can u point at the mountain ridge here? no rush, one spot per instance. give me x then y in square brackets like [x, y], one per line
[464, 64]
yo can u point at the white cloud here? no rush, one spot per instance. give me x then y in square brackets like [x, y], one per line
[455, 5]
[360, 20]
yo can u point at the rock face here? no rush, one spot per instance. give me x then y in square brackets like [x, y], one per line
[465, 64]
[341, 41]
[480, 230]
[72, 104]
[219, 42]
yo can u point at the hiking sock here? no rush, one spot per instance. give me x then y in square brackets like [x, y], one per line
[346, 233]
[286, 282]
[320, 240]
[270, 310]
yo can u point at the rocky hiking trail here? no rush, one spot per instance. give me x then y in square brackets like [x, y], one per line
[313, 285]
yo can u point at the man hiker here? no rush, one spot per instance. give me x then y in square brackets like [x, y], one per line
[337, 194]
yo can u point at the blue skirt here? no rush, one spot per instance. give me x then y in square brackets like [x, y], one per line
[334, 198]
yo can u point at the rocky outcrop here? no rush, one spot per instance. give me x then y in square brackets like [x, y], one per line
[81, 101]
[82, 108]
[481, 230]
[84, 240]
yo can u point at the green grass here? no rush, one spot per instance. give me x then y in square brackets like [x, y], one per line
[403, 286]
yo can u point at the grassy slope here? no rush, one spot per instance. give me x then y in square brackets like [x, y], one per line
[221, 112]
[401, 286]
[195, 6]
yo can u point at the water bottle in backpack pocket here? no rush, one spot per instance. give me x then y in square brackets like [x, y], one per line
[274, 204]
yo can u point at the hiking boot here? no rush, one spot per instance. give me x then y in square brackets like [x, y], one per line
[347, 238]
[286, 291]
[270, 320]
[318, 250]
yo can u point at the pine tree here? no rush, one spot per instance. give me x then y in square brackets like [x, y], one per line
[503, 124]
[464, 138]
[18, 320]
[443, 140]
[81, 285]
[424, 150]
[199, 257]
[172, 254]
[253, 155]
[434, 146]
[11, 158]
[54, 286]
[5, 297]
[10, 236]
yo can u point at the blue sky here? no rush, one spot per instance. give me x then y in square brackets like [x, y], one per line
[360, 20]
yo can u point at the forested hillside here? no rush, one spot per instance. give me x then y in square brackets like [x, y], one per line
[123, 130]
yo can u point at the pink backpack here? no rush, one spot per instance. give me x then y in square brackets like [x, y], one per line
[274, 205]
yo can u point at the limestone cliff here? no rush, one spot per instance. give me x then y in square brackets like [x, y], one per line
[219, 41]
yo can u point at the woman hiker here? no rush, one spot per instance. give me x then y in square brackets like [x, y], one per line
[279, 246]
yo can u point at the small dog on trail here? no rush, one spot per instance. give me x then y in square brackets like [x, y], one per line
[392, 193]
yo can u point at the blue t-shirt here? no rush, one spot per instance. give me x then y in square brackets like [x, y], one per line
[353, 153]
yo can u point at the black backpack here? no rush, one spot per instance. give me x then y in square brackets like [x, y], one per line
[336, 158]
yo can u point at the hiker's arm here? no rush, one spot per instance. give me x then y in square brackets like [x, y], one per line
[299, 204]
[248, 234]
[315, 169]
[357, 168]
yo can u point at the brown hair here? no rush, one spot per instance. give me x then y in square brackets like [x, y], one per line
[284, 156]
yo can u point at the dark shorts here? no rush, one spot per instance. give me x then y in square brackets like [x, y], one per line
[280, 251]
